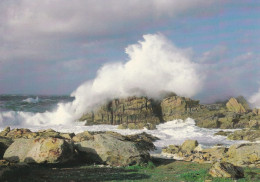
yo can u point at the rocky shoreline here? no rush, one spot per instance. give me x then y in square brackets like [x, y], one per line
[140, 112]
[23, 147]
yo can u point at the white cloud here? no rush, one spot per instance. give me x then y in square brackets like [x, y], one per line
[37, 29]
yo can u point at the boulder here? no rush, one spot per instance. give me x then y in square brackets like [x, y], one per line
[41, 150]
[226, 170]
[234, 105]
[188, 146]
[4, 144]
[112, 149]
[244, 154]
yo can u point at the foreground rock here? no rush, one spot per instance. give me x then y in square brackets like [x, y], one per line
[247, 154]
[113, 149]
[226, 170]
[41, 150]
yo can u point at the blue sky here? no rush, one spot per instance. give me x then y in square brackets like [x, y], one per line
[52, 47]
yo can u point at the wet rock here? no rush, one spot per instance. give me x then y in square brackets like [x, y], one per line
[226, 170]
[41, 150]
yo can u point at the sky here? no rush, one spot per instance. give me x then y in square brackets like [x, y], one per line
[53, 46]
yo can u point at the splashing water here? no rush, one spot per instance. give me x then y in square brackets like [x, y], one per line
[155, 65]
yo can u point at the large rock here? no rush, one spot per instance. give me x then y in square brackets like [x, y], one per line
[226, 170]
[176, 107]
[188, 146]
[41, 150]
[130, 110]
[4, 144]
[113, 149]
[244, 154]
[238, 105]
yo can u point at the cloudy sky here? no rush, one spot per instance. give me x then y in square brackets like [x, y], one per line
[53, 46]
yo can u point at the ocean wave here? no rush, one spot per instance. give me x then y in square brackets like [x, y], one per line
[32, 100]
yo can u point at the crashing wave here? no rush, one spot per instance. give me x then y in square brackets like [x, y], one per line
[32, 100]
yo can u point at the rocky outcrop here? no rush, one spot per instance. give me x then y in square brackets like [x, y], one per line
[41, 150]
[176, 107]
[140, 112]
[125, 111]
[226, 170]
[112, 149]
[238, 105]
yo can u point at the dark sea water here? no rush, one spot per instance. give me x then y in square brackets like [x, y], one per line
[31, 103]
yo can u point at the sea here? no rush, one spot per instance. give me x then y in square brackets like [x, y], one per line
[36, 112]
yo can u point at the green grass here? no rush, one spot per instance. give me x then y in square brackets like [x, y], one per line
[158, 170]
